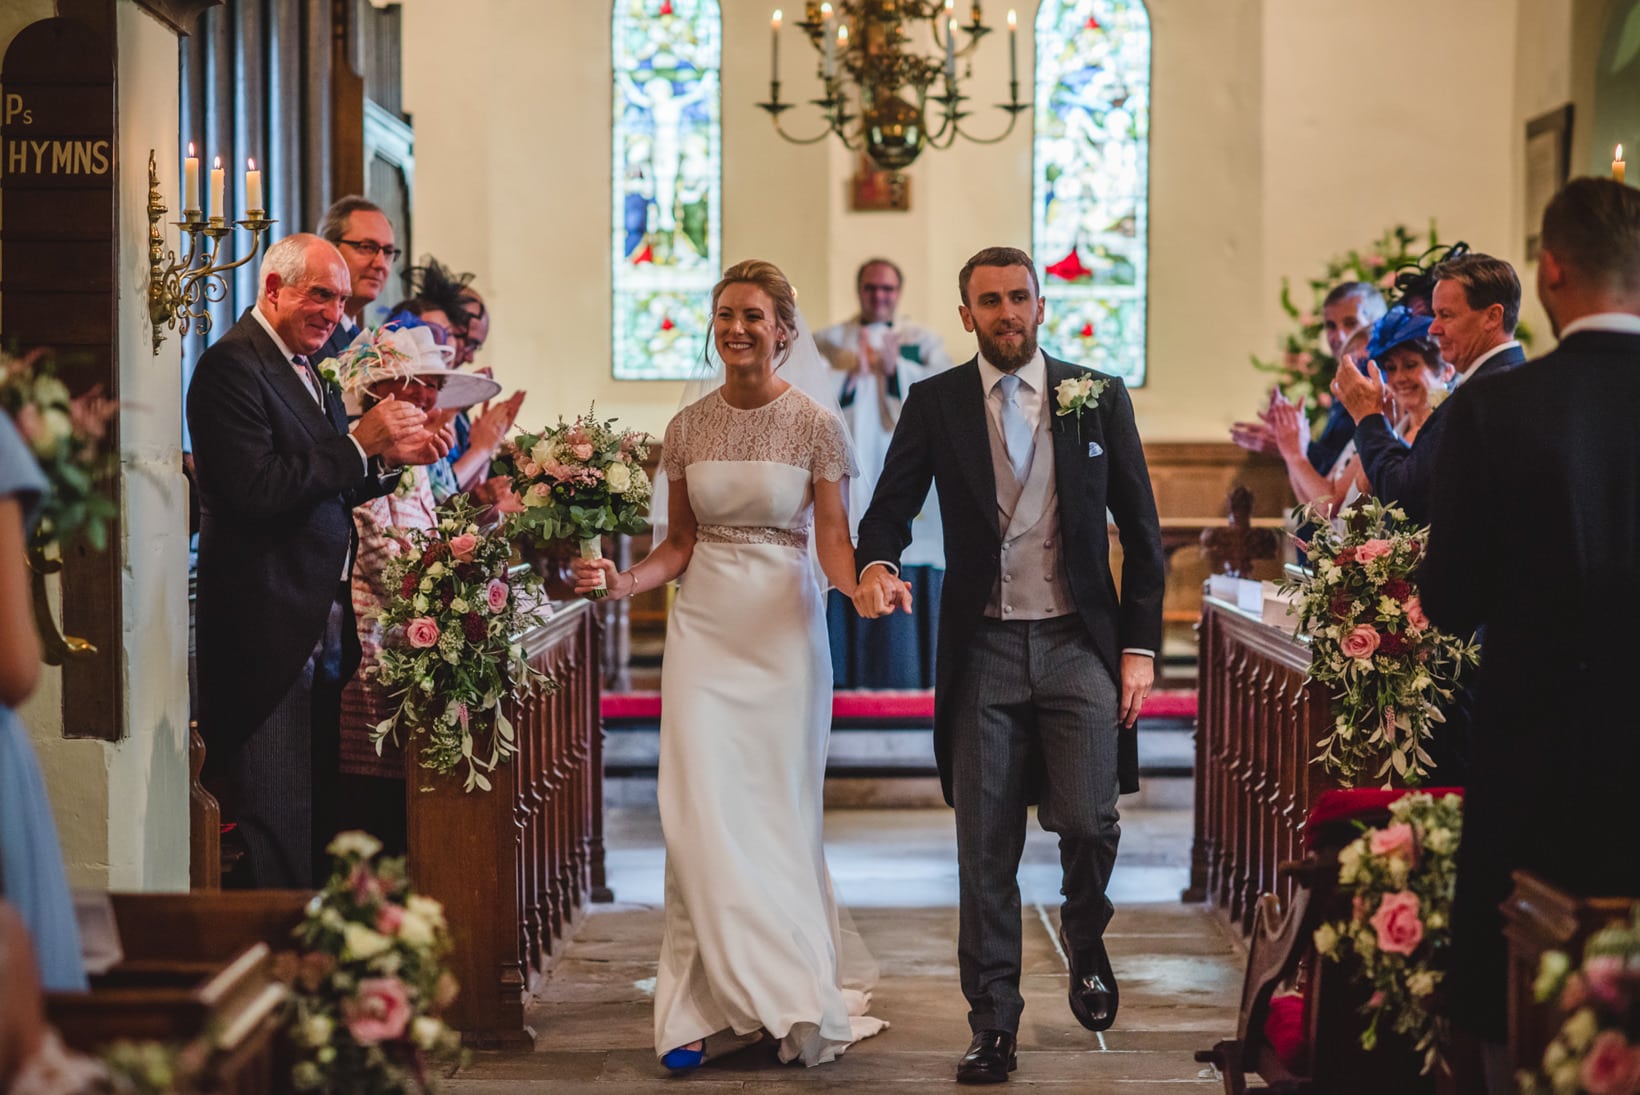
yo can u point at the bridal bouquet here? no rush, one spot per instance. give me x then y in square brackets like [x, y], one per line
[369, 983]
[448, 651]
[69, 439]
[1369, 639]
[1597, 1049]
[578, 481]
[1400, 879]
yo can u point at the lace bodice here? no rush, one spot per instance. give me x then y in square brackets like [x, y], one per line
[790, 429]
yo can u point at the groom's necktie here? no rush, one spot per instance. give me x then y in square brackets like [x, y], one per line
[1017, 435]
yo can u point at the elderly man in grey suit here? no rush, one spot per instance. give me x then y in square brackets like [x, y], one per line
[1041, 668]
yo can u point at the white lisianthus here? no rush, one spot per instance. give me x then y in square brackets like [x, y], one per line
[420, 603]
[436, 570]
[1438, 841]
[1552, 969]
[362, 943]
[415, 930]
[1421, 983]
[426, 1031]
[1388, 608]
[317, 1029]
[1580, 1029]
[425, 585]
[1349, 863]
[619, 478]
[460, 605]
[1326, 940]
[354, 842]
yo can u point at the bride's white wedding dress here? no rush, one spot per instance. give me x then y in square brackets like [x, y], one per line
[752, 939]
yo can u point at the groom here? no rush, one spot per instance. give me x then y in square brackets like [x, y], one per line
[1041, 669]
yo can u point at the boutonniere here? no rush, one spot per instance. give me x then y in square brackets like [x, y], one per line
[1076, 394]
[328, 369]
[1437, 396]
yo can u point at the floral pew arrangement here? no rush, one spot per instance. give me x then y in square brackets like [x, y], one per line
[1597, 1049]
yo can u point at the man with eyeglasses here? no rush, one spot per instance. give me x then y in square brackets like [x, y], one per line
[279, 472]
[364, 236]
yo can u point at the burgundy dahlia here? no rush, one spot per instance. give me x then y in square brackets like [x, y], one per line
[473, 625]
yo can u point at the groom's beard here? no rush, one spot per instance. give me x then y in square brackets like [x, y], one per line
[1005, 359]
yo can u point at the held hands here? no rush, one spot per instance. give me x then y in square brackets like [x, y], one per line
[880, 592]
[1138, 674]
[619, 582]
[1361, 395]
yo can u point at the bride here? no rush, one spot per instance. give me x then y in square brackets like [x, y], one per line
[755, 466]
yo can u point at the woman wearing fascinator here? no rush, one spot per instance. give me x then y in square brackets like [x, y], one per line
[757, 469]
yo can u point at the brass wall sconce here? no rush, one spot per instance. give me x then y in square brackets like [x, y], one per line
[180, 291]
[55, 647]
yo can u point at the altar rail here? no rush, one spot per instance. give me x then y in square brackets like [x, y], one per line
[515, 865]
[1258, 718]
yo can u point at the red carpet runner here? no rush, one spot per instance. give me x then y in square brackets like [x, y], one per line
[916, 706]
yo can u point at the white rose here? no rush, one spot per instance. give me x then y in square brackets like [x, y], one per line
[363, 943]
[619, 478]
[428, 908]
[420, 603]
[1067, 392]
[1326, 940]
[54, 427]
[545, 452]
[435, 570]
[355, 842]
[459, 605]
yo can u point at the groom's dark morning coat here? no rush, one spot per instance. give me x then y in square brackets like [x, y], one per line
[943, 437]
[278, 480]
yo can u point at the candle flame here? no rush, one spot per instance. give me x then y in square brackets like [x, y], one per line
[217, 164]
[250, 163]
[190, 148]
[1013, 19]
[842, 35]
[1618, 155]
[825, 12]
[776, 20]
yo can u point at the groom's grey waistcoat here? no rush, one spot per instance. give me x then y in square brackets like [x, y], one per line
[1030, 583]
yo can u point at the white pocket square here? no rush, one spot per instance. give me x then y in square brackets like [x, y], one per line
[1095, 449]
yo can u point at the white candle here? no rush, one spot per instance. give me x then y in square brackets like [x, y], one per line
[830, 56]
[253, 187]
[774, 46]
[951, 51]
[1619, 168]
[217, 182]
[190, 180]
[1013, 46]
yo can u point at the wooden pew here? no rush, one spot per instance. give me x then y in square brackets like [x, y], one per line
[1540, 917]
[515, 866]
[197, 975]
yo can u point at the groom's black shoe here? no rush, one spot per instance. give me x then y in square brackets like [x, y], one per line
[989, 1059]
[1093, 984]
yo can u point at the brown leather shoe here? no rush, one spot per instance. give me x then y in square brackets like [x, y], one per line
[989, 1059]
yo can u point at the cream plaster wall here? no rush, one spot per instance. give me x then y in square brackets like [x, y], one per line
[122, 808]
[1283, 131]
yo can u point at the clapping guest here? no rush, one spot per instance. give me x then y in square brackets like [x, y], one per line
[1349, 308]
[1413, 375]
[372, 785]
[280, 471]
[31, 863]
[1476, 302]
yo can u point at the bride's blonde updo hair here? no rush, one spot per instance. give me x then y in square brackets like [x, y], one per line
[767, 277]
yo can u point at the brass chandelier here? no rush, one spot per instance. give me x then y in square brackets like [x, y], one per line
[867, 44]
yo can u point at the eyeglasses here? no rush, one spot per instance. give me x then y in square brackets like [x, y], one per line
[370, 249]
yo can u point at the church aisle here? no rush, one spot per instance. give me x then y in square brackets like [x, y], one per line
[1180, 973]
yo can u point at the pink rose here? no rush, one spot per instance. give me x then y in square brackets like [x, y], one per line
[541, 490]
[1397, 924]
[389, 919]
[1376, 1000]
[365, 885]
[582, 451]
[379, 1013]
[1372, 549]
[1397, 840]
[1416, 620]
[495, 594]
[422, 632]
[462, 546]
[1360, 642]
[1612, 1066]
[1604, 973]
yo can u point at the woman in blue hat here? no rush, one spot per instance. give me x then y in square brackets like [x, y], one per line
[1415, 379]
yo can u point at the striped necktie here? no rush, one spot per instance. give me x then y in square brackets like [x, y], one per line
[312, 382]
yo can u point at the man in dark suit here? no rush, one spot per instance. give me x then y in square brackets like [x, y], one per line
[364, 236]
[1536, 536]
[279, 474]
[1475, 304]
[1041, 670]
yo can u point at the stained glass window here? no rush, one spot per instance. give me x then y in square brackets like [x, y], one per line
[666, 223]
[1091, 193]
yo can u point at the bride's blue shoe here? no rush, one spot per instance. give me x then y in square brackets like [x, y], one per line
[683, 1058]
